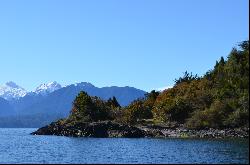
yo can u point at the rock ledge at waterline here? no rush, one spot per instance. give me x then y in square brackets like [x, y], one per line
[105, 129]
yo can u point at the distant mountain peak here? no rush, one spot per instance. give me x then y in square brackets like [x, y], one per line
[163, 88]
[12, 84]
[84, 84]
[11, 90]
[50, 87]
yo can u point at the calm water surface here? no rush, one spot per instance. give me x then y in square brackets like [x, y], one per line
[17, 146]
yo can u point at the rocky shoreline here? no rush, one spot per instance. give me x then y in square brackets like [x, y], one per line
[106, 129]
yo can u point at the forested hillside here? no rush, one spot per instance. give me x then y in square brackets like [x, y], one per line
[219, 99]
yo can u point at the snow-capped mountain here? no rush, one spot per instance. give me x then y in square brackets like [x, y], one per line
[11, 90]
[163, 88]
[51, 101]
[45, 89]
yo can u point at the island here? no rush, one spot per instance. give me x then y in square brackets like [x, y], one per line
[215, 105]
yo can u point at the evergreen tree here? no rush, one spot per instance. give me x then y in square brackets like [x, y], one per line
[113, 103]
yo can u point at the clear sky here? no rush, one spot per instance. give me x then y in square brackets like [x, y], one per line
[141, 43]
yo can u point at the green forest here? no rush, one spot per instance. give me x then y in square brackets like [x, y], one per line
[218, 99]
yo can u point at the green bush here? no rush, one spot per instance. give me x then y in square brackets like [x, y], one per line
[86, 108]
[213, 117]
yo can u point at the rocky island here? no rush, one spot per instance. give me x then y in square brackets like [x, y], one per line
[215, 105]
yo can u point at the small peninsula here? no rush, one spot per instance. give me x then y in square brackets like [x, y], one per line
[215, 105]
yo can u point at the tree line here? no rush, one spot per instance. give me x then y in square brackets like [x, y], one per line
[218, 99]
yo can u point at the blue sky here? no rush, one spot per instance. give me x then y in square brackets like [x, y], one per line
[140, 43]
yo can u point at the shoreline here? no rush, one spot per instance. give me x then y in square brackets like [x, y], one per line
[110, 129]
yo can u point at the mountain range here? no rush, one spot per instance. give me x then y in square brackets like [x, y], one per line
[51, 101]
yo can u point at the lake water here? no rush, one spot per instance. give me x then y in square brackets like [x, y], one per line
[17, 146]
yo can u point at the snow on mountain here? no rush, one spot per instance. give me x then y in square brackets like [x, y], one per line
[11, 90]
[45, 89]
[163, 88]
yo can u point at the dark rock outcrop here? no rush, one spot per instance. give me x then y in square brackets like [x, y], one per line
[106, 129]
[96, 129]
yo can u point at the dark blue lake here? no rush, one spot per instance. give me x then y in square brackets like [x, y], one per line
[17, 146]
